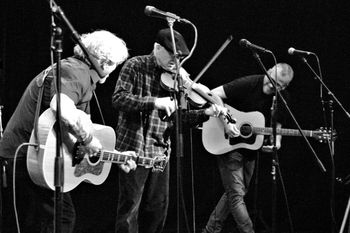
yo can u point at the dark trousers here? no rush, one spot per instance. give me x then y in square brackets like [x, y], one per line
[143, 201]
[35, 205]
[236, 172]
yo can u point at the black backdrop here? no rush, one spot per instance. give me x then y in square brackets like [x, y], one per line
[313, 25]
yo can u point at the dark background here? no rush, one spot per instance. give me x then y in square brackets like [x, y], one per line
[319, 26]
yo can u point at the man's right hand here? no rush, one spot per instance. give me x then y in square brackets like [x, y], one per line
[165, 103]
[94, 146]
[231, 130]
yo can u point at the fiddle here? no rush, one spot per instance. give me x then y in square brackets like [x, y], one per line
[197, 94]
[169, 83]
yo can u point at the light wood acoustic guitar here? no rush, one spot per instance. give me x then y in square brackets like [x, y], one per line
[252, 130]
[78, 164]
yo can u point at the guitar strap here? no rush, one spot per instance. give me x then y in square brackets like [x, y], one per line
[87, 61]
[40, 80]
[99, 108]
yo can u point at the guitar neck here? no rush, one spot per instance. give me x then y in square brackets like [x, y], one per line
[119, 158]
[283, 132]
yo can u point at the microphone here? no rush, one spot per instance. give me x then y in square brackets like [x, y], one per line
[247, 44]
[293, 51]
[154, 12]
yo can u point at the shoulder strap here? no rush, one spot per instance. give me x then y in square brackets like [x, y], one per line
[99, 109]
[40, 80]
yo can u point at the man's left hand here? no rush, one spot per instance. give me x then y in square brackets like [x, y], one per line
[130, 164]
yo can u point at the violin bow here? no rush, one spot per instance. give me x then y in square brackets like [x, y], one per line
[223, 46]
[216, 55]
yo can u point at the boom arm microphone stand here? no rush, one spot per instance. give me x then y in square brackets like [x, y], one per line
[331, 142]
[275, 157]
[57, 47]
[330, 93]
[58, 168]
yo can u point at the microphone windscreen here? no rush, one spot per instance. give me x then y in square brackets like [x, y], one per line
[291, 50]
[243, 42]
[149, 10]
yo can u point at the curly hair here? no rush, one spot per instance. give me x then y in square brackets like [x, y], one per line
[103, 45]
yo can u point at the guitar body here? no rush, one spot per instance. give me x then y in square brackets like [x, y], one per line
[41, 162]
[215, 141]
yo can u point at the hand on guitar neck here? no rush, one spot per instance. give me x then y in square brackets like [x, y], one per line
[81, 150]
[130, 164]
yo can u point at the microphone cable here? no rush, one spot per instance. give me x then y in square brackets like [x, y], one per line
[14, 181]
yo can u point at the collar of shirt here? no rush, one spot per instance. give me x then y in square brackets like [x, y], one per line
[93, 74]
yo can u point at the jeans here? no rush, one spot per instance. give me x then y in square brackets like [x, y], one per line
[236, 172]
[35, 205]
[143, 201]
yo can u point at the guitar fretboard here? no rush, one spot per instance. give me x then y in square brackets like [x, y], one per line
[120, 158]
[284, 132]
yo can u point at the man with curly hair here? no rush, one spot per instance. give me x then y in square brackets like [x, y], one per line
[35, 205]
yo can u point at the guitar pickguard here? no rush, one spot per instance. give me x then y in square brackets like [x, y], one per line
[85, 168]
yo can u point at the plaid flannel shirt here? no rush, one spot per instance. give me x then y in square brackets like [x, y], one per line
[140, 127]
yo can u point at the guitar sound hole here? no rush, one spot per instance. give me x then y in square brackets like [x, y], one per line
[246, 130]
[94, 158]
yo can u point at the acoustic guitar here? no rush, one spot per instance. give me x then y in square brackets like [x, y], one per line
[79, 165]
[252, 130]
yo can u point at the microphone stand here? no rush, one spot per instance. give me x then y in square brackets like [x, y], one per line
[274, 161]
[58, 12]
[181, 104]
[331, 141]
[59, 163]
[56, 47]
[181, 101]
[275, 156]
[331, 147]
[58, 170]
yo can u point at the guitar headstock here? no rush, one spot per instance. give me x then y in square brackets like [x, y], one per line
[324, 135]
[159, 163]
